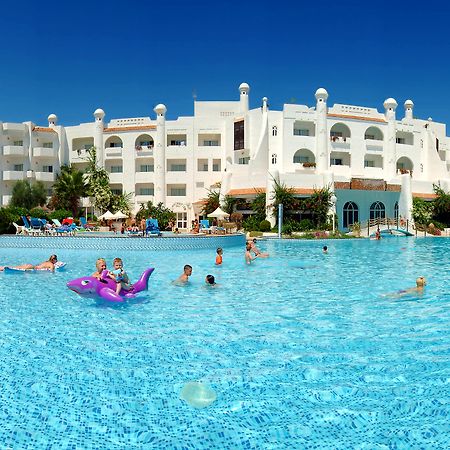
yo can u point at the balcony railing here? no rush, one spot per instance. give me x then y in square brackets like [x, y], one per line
[340, 142]
[113, 151]
[45, 176]
[144, 150]
[13, 175]
[374, 145]
[44, 152]
[14, 150]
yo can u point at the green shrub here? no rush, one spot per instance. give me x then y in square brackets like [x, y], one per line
[265, 226]
[251, 223]
[305, 225]
[8, 215]
[255, 233]
[60, 214]
[39, 213]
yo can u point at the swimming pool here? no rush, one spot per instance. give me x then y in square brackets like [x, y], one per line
[302, 350]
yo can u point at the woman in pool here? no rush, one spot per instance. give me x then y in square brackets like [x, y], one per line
[45, 265]
[100, 265]
[421, 282]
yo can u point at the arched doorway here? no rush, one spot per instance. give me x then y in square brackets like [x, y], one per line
[377, 211]
[350, 214]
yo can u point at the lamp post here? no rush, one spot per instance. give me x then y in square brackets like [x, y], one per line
[333, 200]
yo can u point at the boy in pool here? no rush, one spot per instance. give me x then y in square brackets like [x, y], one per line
[210, 280]
[325, 249]
[184, 277]
[219, 258]
[119, 276]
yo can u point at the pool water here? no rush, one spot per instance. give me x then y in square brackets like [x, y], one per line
[302, 349]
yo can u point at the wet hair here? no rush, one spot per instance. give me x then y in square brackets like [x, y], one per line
[325, 248]
[187, 266]
[219, 250]
[52, 256]
[210, 279]
[117, 260]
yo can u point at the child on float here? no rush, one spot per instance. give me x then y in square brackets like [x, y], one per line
[119, 275]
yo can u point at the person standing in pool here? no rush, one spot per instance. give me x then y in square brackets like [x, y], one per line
[184, 277]
[219, 258]
[100, 265]
[248, 256]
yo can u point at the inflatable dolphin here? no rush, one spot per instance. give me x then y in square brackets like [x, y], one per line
[105, 288]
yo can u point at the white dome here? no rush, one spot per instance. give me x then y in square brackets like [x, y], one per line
[409, 104]
[321, 93]
[160, 109]
[244, 87]
[99, 113]
[52, 118]
[390, 103]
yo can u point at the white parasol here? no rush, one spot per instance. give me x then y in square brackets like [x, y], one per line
[107, 216]
[219, 213]
[119, 215]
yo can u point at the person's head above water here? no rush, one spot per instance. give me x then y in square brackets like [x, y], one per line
[421, 282]
[53, 258]
[210, 279]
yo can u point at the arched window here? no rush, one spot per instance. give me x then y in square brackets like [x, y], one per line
[396, 211]
[350, 214]
[274, 158]
[303, 156]
[377, 211]
[274, 131]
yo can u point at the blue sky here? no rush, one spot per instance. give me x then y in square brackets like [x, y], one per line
[70, 58]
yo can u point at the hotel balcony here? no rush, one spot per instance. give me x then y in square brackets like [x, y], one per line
[45, 176]
[14, 150]
[341, 143]
[373, 172]
[116, 177]
[13, 175]
[373, 145]
[45, 152]
[144, 151]
[144, 177]
[113, 152]
[14, 127]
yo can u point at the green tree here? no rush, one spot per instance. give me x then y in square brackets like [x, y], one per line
[319, 204]
[441, 205]
[229, 203]
[98, 182]
[28, 196]
[258, 205]
[282, 195]
[159, 212]
[212, 202]
[122, 202]
[422, 211]
[69, 187]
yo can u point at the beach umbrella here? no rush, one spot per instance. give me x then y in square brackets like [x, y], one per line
[219, 213]
[120, 215]
[107, 216]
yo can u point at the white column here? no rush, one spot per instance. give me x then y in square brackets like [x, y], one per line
[99, 114]
[390, 156]
[160, 155]
[272, 175]
[405, 202]
[244, 89]
[322, 154]
[409, 105]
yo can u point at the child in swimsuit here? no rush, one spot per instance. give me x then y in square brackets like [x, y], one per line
[219, 256]
[119, 276]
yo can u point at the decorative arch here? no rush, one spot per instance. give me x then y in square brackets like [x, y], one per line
[377, 210]
[404, 163]
[274, 158]
[340, 131]
[274, 130]
[396, 211]
[113, 141]
[373, 133]
[144, 142]
[350, 214]
[303, 155]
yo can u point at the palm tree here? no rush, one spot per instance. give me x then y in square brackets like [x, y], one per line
[68, 189]
[282, 195]
[212, 202]
[258, 205]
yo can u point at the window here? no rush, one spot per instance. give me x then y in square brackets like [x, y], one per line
[336, 133]
[301, 132]
[239, 135]
[396, 211]
[116, 191]
[115, 145]
[244, 160]
[146, 191]
[216, 165]
[299, 159]
[350, 214]
[18, 168]
[47, 169]
[274, 158]
[146, 168]
[116, 169]
[87, 146]
[202, 165]
[377, 211]
[400, 140]
[177, 168]
[369, 163]
[211, 143]
[369, 136]
[146, 144]
[274, 131]
[18, 143]
[177, 191]
[336, 161]
[47, 145]
[181, 220]
[177, 142]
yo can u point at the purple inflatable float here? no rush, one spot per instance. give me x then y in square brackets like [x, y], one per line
[105, 288]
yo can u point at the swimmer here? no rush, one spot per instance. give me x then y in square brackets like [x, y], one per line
[100, 265]
[219, 258]
[256, 250]
[248, 256]
[325, 249]
[45, 265]
[421, 282]
[184, 277]
[210, 281]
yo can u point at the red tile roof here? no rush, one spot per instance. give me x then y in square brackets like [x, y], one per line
[44, 129]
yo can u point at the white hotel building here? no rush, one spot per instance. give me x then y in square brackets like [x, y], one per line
[358, 151]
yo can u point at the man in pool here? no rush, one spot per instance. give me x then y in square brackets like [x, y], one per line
[184, 277]
[45, 265]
